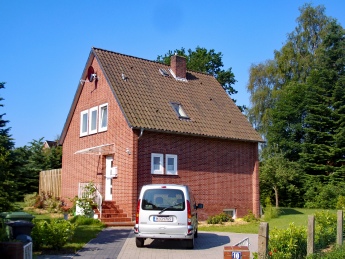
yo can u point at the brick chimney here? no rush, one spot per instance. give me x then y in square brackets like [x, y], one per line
[178, 66]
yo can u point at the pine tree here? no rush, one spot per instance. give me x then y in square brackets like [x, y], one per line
[7, 183]
[324, 145]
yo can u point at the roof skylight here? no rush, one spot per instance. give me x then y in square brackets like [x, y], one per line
[179, 110]
[163, 72]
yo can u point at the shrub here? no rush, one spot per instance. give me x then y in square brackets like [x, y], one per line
[87, 201]
[250, 217]
[219, 219]
[30, 199]
[288, 243]
[335, 253]
[325, 229]
[340, 203]
[270, 212]
[54, 233]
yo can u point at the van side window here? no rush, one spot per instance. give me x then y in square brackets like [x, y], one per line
[158, 199]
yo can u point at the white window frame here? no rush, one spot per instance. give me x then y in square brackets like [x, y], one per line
[161, 168]
[100, 128]
[84, 133]
[91, 121]
[174, 171]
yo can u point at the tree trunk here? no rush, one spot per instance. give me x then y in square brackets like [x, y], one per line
[276, 195]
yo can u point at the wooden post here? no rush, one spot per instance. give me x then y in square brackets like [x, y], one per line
[311, 235]
[263, 240]
[340, 227]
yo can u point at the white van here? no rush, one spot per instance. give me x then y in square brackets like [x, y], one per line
[166, 211]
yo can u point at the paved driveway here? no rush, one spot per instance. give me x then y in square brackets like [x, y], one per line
[119, 242]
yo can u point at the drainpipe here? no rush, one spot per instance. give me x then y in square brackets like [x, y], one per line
[141, 132]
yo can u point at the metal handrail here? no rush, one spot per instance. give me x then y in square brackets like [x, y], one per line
[98, 201]
[244, 242]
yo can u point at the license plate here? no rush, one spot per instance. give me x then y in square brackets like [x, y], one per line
[162, 219]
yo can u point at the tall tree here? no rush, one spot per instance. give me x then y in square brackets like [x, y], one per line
[205, 61]
[7, 185]
[292, 63]
[323, 147]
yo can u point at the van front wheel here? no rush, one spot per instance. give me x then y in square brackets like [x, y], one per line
[190, 243]
[139, 242]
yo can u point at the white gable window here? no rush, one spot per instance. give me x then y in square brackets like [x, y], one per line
[157, 163]
[93, 120]
[103, 117]
[171, 164]
[84, 122]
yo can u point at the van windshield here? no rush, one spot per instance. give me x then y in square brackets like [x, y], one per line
[163, 199]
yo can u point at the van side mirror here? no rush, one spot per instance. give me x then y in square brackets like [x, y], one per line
[200, 206]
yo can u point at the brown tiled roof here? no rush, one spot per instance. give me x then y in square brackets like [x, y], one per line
[145, 97]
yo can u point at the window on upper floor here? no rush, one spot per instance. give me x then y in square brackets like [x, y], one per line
[158, 166]
[84, 123]
[157, 163]
[171, 164]
[94, 120]
[103, 117]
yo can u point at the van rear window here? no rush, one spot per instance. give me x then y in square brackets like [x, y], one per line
[159, 199]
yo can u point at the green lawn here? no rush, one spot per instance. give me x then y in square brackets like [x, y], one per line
[287, 216]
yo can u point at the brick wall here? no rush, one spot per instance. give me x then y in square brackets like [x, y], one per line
[84, 167]
[222, 174]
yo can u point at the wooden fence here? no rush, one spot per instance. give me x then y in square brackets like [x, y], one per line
[50, 182]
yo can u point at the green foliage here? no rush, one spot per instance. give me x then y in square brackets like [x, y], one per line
[219, 219]
[325, 229]
[270, 212]
[277, 173]
[87, 201]
[30, 161]
[8, 187]
[323, 195]
[337, 252]
[291, 242]
[82, 220]
[30, 199]
[298, 105]
[3, 233]
[340, 203]
[250, 217]
[54, 233]
[288, 243]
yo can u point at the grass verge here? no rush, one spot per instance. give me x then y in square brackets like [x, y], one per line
[287, 215]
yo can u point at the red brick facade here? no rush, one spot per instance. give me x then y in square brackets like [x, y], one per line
[223, 174]
[84, 168]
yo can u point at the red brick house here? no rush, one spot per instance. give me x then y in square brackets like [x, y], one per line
[134, 122]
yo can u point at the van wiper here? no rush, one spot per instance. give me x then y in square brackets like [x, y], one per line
[170, 207]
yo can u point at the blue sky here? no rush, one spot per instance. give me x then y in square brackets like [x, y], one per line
[45, 45]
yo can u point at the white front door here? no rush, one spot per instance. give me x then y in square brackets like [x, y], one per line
[108, 178]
